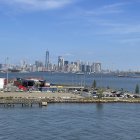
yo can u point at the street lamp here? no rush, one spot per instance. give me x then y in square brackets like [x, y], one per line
[7, 68]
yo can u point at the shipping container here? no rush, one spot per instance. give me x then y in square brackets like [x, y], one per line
[2, 83]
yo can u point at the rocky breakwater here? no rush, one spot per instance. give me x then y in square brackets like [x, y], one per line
[92, 100]
[36, 98]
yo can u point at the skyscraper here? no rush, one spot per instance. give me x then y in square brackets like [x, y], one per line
[60, 63]
[47, 60]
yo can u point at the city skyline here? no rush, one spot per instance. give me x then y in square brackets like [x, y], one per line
[100, 31]
[62, 65]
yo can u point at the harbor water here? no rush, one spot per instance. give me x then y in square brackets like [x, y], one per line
[112, 121]
[116, 121]
[103, 80]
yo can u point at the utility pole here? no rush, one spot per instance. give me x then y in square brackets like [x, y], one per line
[84, 79]
[7, 69]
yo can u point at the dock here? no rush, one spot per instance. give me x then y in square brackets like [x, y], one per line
[22, 102]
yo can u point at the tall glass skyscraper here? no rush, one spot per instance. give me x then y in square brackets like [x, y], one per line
[47, 60]
[60, 63]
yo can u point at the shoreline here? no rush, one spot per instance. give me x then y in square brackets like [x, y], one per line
[20, 97]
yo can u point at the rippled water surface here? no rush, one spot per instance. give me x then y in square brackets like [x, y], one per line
[71, 122]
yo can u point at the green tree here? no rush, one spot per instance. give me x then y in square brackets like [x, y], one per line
[100, 93]
[137, 89]
[94, 84]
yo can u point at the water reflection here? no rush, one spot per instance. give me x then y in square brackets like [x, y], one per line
[99, 106]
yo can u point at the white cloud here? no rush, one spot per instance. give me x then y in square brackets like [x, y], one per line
[36, 4]
[130, 40]
[99, 15]
[123, 29]
[106, 9]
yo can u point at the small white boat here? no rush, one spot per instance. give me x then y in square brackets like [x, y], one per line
[80, 73]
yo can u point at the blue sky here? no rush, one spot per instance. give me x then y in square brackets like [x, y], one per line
[107, 31]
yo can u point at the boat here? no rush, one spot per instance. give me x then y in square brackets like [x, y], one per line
[80, 73]
[14, 70]
[137, 72]
[121, 75]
